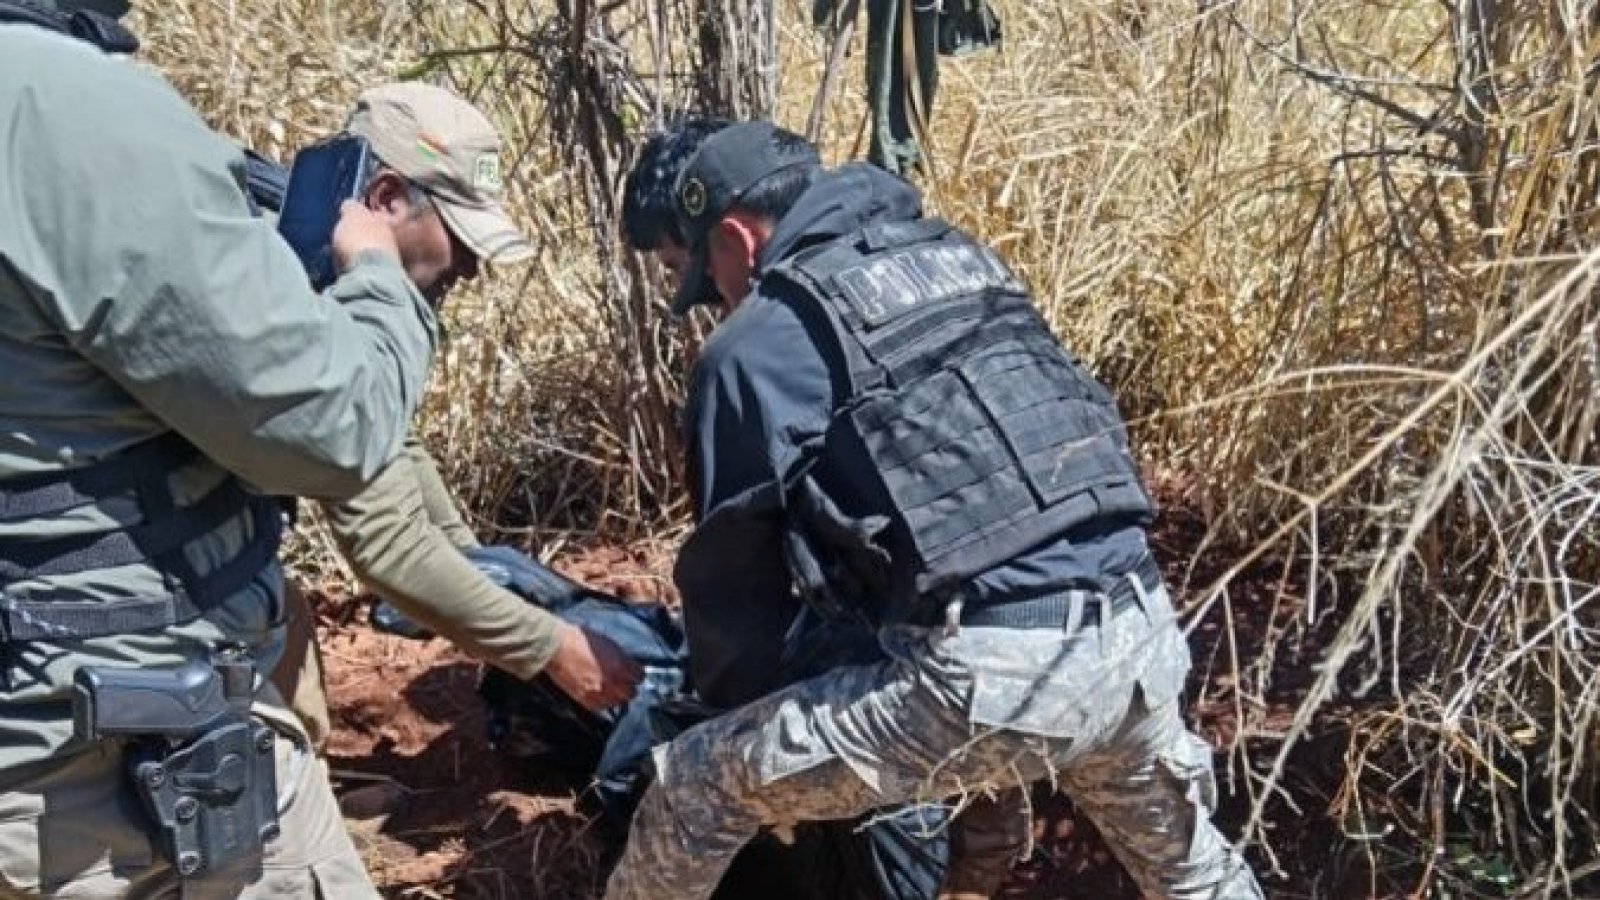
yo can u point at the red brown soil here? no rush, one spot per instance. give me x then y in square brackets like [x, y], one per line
[435, 810]
[440, 814]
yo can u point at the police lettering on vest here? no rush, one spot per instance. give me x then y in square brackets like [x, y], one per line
[881, 289]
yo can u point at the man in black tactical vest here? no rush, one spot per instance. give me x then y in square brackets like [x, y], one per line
[164, 367]
[740, 652]
[884, 426]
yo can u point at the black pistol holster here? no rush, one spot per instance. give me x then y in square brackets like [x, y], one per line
[203, 769]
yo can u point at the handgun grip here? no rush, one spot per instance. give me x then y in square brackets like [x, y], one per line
[172, 702]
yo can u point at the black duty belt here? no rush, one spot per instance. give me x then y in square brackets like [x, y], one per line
[1055, 610]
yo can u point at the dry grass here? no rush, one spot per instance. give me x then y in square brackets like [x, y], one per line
[1334, 257]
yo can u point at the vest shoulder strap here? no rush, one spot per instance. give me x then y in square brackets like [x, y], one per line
[99, 29]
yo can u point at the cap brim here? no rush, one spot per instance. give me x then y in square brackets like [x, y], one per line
[696, 287]
[487, 231]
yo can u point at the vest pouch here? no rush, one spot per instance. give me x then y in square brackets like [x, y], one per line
[946, 467]
[97, 28]
[840, 563]
[986, 459]
[1034, 395]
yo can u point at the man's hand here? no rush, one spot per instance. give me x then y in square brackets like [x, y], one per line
[358, 230]
[592, 670]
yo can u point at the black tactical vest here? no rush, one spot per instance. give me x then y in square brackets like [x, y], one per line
[982, 436]
[101, 30]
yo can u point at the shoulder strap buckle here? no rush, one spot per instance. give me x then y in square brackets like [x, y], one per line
[886, 235]
[102, 31]
[97, 28]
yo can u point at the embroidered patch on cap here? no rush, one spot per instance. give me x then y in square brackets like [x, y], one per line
[694, 197]
[486, 173]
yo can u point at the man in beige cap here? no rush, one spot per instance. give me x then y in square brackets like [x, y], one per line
[444, 146]
[440, 184]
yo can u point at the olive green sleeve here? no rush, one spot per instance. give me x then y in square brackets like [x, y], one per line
[404, 557]
[437, 501]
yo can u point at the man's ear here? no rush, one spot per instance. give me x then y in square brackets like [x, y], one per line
[742, 234]
[386, 194]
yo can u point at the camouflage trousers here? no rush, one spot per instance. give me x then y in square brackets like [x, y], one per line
[954, 713]
[991, 833]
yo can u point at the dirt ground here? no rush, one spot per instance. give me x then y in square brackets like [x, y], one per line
[438, 813]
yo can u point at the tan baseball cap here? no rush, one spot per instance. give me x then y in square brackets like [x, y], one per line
[444, 145]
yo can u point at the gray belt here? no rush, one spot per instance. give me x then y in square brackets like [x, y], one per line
[1055, 610]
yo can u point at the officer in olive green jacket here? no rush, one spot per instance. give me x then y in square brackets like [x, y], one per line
[402, 533]
[162, 364]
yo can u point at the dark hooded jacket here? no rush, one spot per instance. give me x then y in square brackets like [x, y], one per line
[760, 391]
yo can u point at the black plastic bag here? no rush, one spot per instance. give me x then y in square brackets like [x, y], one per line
[901, 855]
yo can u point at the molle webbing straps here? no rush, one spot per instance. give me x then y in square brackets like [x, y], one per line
[160, 540]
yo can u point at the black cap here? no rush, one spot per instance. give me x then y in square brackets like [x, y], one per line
[649, 195]
[727, 165]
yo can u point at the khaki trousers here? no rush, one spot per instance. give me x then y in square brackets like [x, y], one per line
[72, 828]
[298, 676]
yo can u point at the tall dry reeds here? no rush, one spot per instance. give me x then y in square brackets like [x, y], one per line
[1335, 258]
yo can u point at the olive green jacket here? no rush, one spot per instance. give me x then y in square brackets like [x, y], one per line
[138, 295]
